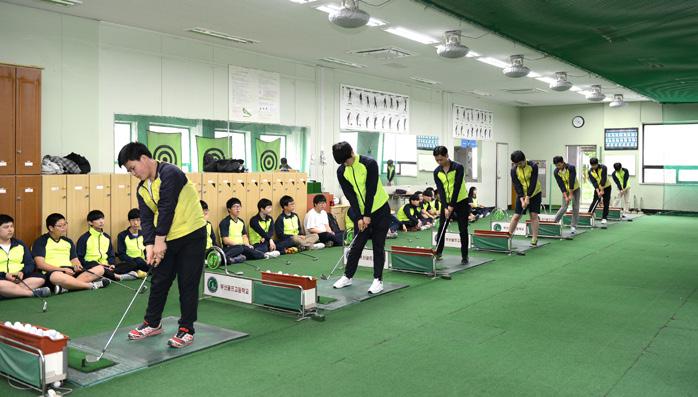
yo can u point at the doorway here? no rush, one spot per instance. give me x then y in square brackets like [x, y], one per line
[579, 155]
[503, 183]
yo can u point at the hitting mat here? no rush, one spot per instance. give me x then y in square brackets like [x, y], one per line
[451, 264]
[521, 246]
[565, 235]
[130, 356]
[357, 292]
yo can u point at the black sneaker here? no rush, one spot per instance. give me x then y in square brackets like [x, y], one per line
[464, 261]
[181, 339]
[57, 290]
[42, 292]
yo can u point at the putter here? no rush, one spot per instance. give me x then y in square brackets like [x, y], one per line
[351, 244]
[44, 307]
[145, 287]
[89, 358]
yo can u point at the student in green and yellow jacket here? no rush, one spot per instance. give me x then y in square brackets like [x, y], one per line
[598, 176]
[524, 176]
[94, 249]
[449, 177]
[18, 277]
[174, 235]
[390, 174]
[210, 234]
[620, 177]
[359, 179]
[130, 248]
[566, 178]
[408, 215]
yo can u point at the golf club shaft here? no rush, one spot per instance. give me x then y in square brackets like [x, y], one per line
[110, 280]
[443, 231]
[351, 244]
[124, 315]
[30, 289]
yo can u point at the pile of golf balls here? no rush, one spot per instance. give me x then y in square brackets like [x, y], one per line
[32, 330]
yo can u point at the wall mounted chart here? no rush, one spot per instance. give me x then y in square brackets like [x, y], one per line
[362, 109]
[469, 123]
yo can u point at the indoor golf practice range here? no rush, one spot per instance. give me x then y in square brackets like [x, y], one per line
[348, 197]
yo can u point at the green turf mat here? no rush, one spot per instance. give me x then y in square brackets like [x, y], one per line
[76, 356]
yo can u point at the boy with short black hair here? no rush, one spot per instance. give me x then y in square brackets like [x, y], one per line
[598, 176]
[233, 232]
[55, 255]
[449, 177]
[261, 230]
[130, 248]
[289, 231]
[408, 215]
[566, 178]
[524, 176]
[210, 235]
[317, 222]
[427, 205]
[620, 177]
[94, 248]
[18, 277]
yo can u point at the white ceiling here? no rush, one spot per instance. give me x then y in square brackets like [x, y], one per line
[300, 32]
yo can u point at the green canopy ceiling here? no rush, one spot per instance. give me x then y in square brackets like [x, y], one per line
[650, 47]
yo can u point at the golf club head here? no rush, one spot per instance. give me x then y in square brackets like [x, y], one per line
[44, 307]
[90, 358]
[324, 277]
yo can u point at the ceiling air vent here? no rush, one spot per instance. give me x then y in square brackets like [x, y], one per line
[384, 53]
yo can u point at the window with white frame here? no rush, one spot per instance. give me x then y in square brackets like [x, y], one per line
[238, 143]
[124, 132]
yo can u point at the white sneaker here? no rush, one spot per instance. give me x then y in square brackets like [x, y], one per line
[376, 287]
[343, 281]
[272, 254]
[603, 221]
[573, 230]
[317, 246]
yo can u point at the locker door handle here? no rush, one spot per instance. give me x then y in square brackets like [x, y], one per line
[19, 151]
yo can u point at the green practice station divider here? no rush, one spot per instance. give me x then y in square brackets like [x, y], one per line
[614, 214]
[584, 220]
[546, 229]
[491, 243]
[277, 296]
[412, 263]
[20, 364]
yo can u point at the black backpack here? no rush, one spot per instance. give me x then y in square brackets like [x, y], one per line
[81, 162]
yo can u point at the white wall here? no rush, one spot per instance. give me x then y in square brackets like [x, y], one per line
[93, 70]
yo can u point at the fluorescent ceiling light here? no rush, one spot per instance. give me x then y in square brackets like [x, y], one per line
[472, 54]
[330, 8]
[220, 35]
[343, 62]
[575, 89]
[493, 62]
[411, 35]
[65, 2]
[533, 74]
[302, 1]
[547, 80]
[423, 80]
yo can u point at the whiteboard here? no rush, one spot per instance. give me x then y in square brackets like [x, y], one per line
[426, 162]
[408, 169]
[627, 160]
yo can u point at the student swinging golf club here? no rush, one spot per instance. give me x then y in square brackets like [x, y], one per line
[449, 177]
[598, 175]
[524, 176]
[174, 234]
[566, 178]
[359, 178]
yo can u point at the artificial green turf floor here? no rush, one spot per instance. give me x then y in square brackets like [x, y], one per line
[613, 312]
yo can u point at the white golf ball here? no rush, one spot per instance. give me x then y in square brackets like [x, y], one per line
[51, 393]
[7, 324]
[57, 383]
[18, 325]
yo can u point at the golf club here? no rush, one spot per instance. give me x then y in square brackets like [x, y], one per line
[145, 287]
[89, 358]
[44, 307]
[351, 244]
[315, 258]
[443, 233]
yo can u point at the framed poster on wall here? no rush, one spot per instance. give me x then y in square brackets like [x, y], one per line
[362, 109]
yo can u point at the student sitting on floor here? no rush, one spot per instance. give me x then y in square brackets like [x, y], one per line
[233, 232]
[261, 230]
[477, 210]
[130, 248]
[210, 235]
[289, 231]
[55, 255]
[437, 201]
[317, 222]
[94, 248]
[17, 275]
[408, 215]
[426, 206]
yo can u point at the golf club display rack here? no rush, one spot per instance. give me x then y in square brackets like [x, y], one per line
[31, 360]
[279, 292]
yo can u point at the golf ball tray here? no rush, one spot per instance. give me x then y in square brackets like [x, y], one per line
[51, 343]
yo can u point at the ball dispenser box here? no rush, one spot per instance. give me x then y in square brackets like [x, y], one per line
[23, 353]
[490, 240]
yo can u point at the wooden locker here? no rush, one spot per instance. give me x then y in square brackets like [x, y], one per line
[78, 205]
[195, 179]
[7, 121]
[225, 191]
[239, 190]
[54, 197]
[120, 204]
[100, 197]
[134, 191]
[28, 121]
[301, 194]
[253, 186]
[28, 208]
[7, 195]
[209, 193]
[279, 185]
